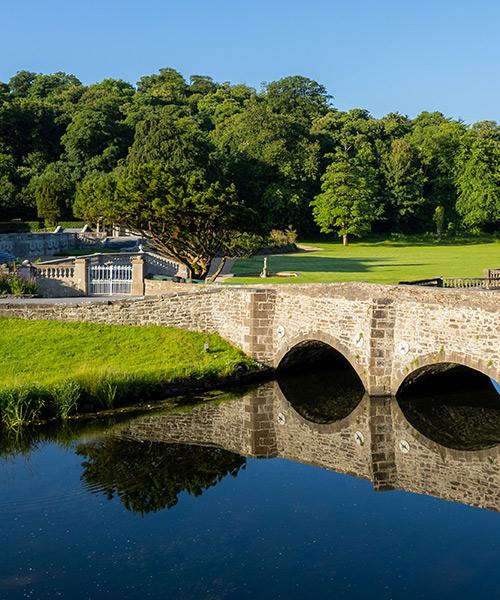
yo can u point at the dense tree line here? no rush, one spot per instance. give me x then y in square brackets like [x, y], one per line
[282, 156]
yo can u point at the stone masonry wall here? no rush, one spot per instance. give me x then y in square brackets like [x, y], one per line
[242, 426]
[332, 446]
[32, 245]
[386, 332]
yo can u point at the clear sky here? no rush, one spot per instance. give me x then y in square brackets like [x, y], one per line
[383, 55]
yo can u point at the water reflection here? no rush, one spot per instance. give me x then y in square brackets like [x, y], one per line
[456, 420]
[443, 445]
[323, 397]
[455, 407]
[319, 382]
[148, 477]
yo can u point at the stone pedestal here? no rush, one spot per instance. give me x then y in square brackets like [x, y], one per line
[137, 276]
[80, 276]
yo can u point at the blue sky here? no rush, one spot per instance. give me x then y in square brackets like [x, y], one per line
[382, 55]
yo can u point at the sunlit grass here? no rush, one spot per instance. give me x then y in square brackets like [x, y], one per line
[51, 368]
[377, 261]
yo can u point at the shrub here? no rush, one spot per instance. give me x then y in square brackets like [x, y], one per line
[278, 237]
[17, 286]
[4, 284]
[20, 287]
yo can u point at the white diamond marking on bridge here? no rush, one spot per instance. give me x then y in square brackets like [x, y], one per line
[403, 348]
[358, 340]
[359, 438]
[404, 446]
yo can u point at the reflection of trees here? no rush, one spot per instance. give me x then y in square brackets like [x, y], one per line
[460, 420]
[148, 477]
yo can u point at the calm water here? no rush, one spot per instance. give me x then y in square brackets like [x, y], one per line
[293, 490]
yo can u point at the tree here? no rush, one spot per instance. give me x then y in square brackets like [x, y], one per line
[297, 96]
[438, 140]
[171, 136]
[405, 181]
[184, 216]
[478, 176]
[94, 198]
[438, 219]
[97, 136]
[7, 187]
[52, 192]
[345, 203]
[263, 151]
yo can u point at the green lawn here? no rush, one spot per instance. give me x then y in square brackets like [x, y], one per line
[48, 366]
[377, 261]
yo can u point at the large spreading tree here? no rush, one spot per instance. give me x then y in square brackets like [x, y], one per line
[478, 176]
[183, 216]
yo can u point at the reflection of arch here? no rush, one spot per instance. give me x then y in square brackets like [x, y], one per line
[434, 359]
[401, 423]
[329, 340]
[335, 427]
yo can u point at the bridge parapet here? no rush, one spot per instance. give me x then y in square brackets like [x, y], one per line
[386, 332]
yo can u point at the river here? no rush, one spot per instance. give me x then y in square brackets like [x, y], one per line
[302, 487]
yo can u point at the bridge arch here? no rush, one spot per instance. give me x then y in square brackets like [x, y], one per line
[326, 339]
[432, 362]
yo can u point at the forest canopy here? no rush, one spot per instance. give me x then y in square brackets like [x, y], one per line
[281, 156]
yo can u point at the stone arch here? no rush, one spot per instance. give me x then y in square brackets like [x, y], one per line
[436, 358]
[329, 340]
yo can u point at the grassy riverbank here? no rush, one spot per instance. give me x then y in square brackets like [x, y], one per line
[54, 370]
[377, 260]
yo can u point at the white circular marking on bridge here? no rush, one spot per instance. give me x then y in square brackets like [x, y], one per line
[281, 418]
[358, 340]
[403, 348]
[404, 446]
[280, 331]
[359, 438]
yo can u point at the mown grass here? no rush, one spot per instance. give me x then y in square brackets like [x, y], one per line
[54, 370]
[377, 260]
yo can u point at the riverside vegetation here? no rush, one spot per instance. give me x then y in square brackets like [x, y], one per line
[53, 370]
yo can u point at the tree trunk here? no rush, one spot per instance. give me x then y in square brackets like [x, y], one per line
[218, 270]
[345, 241]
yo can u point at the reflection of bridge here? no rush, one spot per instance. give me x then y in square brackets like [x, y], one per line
[374, 442]
[386, 332]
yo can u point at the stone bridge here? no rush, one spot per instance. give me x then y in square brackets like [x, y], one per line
[375, 442]
[386, 332]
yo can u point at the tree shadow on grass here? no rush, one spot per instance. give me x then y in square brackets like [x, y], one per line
[321, 264]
